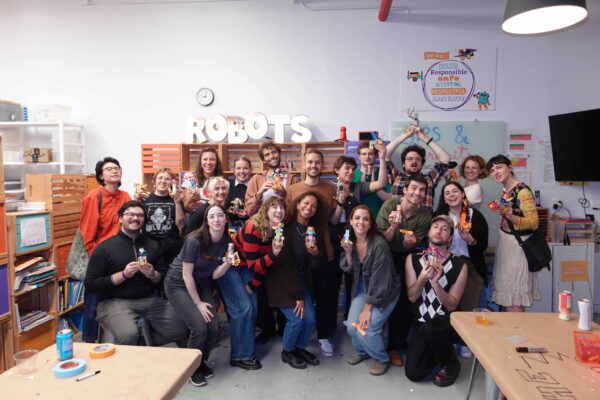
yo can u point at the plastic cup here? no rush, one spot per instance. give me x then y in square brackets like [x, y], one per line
[482, 316]
[25, 361]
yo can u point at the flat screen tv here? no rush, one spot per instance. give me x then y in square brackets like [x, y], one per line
[575, 141]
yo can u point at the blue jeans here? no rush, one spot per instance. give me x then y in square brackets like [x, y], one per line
[241, 308]
[372, 342]
[298, 331]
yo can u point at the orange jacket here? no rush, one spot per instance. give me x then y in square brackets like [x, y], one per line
[97, 228]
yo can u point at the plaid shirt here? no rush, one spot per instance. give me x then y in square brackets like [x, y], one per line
[433, 177]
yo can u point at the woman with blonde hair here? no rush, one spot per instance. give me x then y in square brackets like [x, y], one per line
[217, 188]
[472, 170]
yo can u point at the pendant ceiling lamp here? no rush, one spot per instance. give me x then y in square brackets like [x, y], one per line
[527, 17]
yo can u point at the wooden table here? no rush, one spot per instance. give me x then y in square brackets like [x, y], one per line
[133, 372]
[529, 376]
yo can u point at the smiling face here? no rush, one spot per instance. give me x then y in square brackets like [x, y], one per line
[366, 156]
[162, 183]
[312, 165]
[453, 196]
[132, 220]
[111, 173]
[219, 193]
[276, 214]
[414, 193]
[216, 219]
[208, 162]
[360, 222]
[412, 163]
[501, 172]
[346, 173]
[307, 207]
[472, 170]
[440, 233]
[242, 171]
[271, 157]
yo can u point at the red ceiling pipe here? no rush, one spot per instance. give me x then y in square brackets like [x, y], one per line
[384, 10]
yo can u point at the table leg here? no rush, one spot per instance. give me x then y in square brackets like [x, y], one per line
[473, 372]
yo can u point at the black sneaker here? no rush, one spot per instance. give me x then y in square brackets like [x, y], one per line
[197, 379]
[306, 355]
[294, 361]
[206, 371]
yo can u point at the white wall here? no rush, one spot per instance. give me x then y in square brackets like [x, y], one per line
[131, 71]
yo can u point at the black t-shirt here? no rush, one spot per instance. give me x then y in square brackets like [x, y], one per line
[193, 252]
[160, 217]
[196, 219]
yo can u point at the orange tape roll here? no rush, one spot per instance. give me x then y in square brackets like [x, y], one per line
[102, 351]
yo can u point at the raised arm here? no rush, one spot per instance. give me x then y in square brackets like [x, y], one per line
[393, 145]
[439, 151]
[382, 179]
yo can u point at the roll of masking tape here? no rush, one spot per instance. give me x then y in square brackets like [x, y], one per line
[69, 368]
[102, 351]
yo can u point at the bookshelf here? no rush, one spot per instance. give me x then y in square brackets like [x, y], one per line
[184, 156]
[32, 279]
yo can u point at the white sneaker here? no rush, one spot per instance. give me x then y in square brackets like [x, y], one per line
[465, 352]
[326, 347]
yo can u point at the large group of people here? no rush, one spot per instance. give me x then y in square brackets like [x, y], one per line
[275, 250]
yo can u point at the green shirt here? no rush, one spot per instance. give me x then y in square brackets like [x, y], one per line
[372, 200]
[419, 223]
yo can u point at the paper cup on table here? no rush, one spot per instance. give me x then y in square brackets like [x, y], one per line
[482, 316]
[25, 361]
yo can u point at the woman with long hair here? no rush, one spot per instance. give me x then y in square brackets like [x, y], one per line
[238, 286]
[368, 257]
[209, 165]
[204, 257]
[289, 280]
[217, 188]
[514, 286]
[470, 239]
[472, 170]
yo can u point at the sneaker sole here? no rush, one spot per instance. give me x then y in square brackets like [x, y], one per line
[197, 384]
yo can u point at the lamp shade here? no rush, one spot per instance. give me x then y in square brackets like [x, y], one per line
[527, 17]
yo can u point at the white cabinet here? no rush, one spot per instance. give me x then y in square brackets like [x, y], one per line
[573, 262]
[572, 270]
[66, 141]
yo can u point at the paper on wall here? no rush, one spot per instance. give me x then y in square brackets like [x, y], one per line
[33, 231]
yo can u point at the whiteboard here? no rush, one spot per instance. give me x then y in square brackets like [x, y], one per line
[460, 139]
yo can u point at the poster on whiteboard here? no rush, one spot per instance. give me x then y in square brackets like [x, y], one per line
[449, 79]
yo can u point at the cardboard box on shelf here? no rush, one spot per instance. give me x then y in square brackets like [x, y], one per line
[37, 155]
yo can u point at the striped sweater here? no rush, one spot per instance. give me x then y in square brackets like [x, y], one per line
[258, 255]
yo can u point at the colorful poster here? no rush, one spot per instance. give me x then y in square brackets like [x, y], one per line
[457, 79]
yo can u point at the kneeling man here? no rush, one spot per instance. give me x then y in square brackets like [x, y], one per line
[436, 281]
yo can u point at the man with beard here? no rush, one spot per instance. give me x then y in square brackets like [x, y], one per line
[404, 224]
[127, 285]
[436, 281]
[413, 158]
[264, 185]
[327, 281]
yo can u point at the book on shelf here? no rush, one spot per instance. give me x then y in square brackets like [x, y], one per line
[35, 276]
[70, 293]
[33, 319]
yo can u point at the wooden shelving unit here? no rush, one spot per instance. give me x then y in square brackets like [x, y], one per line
[184, 157]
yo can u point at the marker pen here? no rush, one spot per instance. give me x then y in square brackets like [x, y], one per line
[531, 350]
[87, 376]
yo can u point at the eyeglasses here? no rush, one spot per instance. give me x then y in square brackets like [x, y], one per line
[134, 215]
[111, 169]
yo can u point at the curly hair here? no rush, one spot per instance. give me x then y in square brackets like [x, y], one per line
[477, 159]
[261, 219]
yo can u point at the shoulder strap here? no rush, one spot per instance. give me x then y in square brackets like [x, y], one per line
[99, 211]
